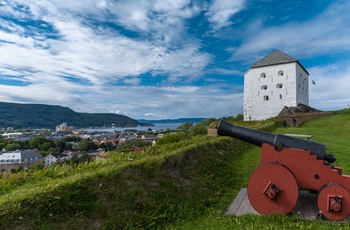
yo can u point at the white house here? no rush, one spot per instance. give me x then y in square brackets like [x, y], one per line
[275, 81]
[54, 157]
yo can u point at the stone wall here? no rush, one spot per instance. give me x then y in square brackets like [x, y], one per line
[212, 132]
[297, 119]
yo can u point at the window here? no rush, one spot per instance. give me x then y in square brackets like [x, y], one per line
[263, 75]
[264, 87]
[280, 73]
[266, 98]
[280, 96]
[279, 86]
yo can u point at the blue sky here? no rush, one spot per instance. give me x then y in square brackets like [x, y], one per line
[158, 59]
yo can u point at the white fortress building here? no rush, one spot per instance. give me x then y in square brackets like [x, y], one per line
[275, 81]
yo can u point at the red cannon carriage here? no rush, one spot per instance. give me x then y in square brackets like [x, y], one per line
[288, 164]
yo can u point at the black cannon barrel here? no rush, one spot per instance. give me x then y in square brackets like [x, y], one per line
[257, 137]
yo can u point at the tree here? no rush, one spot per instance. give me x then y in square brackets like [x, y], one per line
[61, 146]
[46, 146]
[86, 145]
[2, 145]
[109, 146]
[185, 127]
[85, 158]
[71, 139]
[69, 146]
[23, 144]
[37, 141]
[201, 128]
[103, 146]
[12, 146]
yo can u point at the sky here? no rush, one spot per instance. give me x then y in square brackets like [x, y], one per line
[163, 59]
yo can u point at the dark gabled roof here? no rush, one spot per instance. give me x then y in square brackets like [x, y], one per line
[275, 58]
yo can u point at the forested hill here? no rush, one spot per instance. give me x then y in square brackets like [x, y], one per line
[49, 116]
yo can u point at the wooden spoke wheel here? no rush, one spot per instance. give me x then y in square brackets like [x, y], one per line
[272, 189]
[334, 201]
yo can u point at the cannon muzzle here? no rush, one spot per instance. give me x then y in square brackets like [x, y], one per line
[280, 141]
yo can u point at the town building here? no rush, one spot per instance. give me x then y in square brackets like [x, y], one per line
[12, 135]
[275, 81]
[64, 128]
[19, 159]
[55, 157]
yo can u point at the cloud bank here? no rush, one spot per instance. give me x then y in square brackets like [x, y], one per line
[159, 59]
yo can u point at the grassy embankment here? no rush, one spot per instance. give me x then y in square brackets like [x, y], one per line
[184, 185]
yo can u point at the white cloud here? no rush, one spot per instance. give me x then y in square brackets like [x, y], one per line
[327, 32]
[89, 52]
[220, 12]
[331, 90]
[150, 115]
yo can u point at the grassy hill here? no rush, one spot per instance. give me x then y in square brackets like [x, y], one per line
[49, 116]
[181, 185]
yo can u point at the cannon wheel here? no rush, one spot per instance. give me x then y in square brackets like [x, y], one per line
[272, 189]
[334, 202]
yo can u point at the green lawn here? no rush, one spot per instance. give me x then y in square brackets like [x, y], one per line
[332, 131]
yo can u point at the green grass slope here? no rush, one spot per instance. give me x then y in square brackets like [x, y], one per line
[184, 185]
[332, 131]
[129, 191]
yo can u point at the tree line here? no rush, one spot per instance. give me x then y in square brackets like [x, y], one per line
[48, 146]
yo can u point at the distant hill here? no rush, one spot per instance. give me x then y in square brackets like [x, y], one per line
[49, 116]
[179, 120]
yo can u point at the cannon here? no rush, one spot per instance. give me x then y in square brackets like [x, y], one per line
[288, 164]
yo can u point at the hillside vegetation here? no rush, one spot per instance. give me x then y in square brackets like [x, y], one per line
[49, 116]
[185, 184]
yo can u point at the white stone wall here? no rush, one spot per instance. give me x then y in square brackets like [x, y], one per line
[268, 89]
[302, 86]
